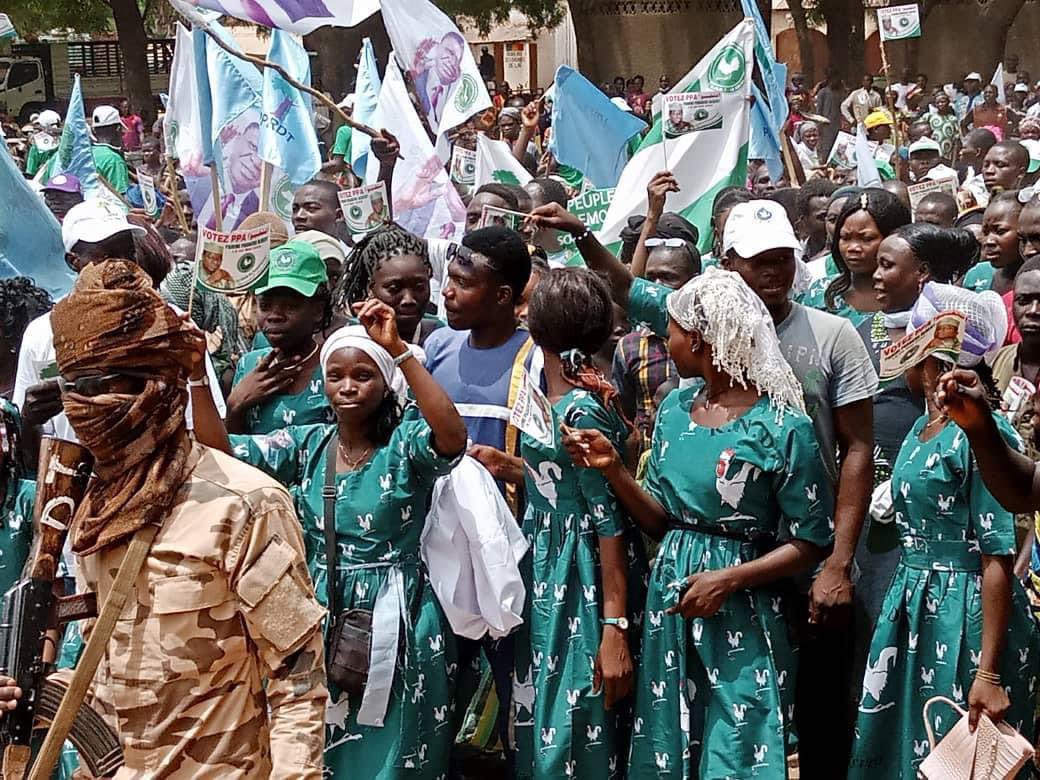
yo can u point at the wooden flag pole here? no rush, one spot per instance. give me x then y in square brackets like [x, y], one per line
[218, 218]
[891, 105]
[176, 196]
[265, 185]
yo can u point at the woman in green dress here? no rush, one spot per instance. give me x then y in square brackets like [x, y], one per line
[386, 463]
[16, 500]
[954, 622]
[282, 385]
[1000, 258]
[736, 491]
[393, 266]
[865, 220]
[586, 569]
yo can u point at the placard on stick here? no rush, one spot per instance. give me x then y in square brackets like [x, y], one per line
[232, 262]
[365, 208]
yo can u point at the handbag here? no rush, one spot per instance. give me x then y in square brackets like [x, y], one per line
[349, 646]
[994, 752]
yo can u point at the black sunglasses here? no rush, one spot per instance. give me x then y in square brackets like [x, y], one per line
[97, 384]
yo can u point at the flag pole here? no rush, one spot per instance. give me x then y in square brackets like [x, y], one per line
[218, 220]
[891, 104]
[265, 185]
[175, 194]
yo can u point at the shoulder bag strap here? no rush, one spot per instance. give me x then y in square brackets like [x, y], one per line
[328, 495]
[512, 434]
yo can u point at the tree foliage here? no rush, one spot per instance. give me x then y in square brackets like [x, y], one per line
[485, 13]
[33, 18]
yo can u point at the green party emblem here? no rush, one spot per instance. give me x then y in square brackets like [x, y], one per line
[246, 262]
[356, 213]
[283, 260]
[282, 197]
[172, 132]
[466, 94]
[727, 72]
[504, 177]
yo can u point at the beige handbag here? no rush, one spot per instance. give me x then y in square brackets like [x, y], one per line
[994, 752]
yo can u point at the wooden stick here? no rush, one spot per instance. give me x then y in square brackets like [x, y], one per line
[891, 107]
[265, 185]
[176, 196]
[194, 278]
[218, 218]
[262, 63]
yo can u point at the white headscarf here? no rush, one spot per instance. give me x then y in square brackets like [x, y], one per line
[355, 336]
[987, 324]
[727, 313]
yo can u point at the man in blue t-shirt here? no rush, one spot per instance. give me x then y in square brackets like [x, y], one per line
[477, 360]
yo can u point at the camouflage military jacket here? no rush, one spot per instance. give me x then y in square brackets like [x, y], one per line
[216, 666]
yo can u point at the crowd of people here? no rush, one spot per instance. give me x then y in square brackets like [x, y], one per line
[741, 554]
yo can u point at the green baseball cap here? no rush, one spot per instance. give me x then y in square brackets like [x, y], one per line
[296, 265]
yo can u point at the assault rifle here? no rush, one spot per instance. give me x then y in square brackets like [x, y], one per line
[31, 612]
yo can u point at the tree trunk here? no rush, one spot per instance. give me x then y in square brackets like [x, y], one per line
[805, 49]
[133, 44]
[844, 37]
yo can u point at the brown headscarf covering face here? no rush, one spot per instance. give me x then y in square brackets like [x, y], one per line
[114, 320]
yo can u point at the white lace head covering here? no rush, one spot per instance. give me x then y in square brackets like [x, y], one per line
[357, 337]
[727, 313]
[987, 324]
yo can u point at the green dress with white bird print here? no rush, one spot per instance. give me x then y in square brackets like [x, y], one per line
[308, 407]
[380, 513]
[561, 726]
[16, 509]
[714, 696]
[928, 639]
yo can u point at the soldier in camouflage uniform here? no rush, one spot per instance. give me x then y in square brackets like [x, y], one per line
[216, 667]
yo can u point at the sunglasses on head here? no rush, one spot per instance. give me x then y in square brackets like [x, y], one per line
[671, 243]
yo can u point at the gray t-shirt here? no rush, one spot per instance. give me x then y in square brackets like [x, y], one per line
[833, 365]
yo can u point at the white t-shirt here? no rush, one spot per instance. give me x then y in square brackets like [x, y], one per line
[438, 249]
[37, 353]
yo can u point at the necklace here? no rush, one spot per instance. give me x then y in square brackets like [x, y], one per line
[310, 354]
[353, 463]
[940, 419]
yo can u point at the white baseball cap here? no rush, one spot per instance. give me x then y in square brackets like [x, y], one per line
[1020, 87]
[94, 220]
[925, 144]
[105, 116]
[973, 76]
[622, 104]
[758, 226]
[49, 118]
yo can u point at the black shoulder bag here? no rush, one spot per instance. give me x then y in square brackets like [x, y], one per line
[350, 635]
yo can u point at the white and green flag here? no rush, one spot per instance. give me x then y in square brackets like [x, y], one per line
[705, 158]
[496, 163]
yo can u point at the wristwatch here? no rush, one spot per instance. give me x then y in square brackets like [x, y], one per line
[619, 622]
[204, 382]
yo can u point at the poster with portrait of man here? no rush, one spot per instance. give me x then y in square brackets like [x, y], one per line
[232, 262]
[365, 208]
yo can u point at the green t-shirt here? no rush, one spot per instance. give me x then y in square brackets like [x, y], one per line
[979, 278]
[37, 158]
[108, 162]
[342, 145]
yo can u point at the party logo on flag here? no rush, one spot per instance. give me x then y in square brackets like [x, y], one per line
[728, 69]
[466, 94]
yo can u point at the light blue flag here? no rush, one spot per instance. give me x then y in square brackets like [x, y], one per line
[287, 136]
[74, 155]
[203, 94]
[770, 110]
[30, 236]
[366, 97]
[590, 133]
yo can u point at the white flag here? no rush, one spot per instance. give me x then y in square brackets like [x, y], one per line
[430, 47]
[182, 126]
[866, 168]
[496, 163]
[704, 158]
[998, 82]
[298, 16]
[424, 199]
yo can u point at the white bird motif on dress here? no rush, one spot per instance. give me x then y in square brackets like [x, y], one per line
[932, 605]
[592, 732]
[713, 676]
[568, 768]
[920, 747]
[761, 677]
[810, 492]
[572, 696]
[545, 479]
[658, 688]
[945, 502]
[551, 662]
[986, 520]
[661, 759]
[669, 659]
[1023, 655]
[590, 593]
[933, 459]
[927, 675]
[560, 592]
[437, 643]
[536, 657]
[731, 490]
[698, 631]
[976, 657]
[637, 725]
[288, 415]
[548, 735]
[419, 692]
[958, 692]
[539, 589]
[760, 753]
[574, 624]
[440, 713]
[912, 643]
[655, 617]
[734, 637]
[365, 522]
[386, 481]
[738, 712]
[406, 513]
[940, 651]
[360, 589]
[904, 490]
[877, 673]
